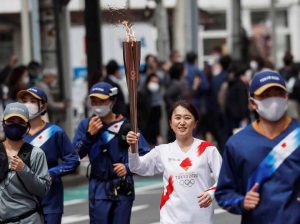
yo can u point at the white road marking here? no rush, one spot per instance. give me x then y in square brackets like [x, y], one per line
[139, 207]
[80, 218]
[219, 211]
[74, 218]
[75, 202]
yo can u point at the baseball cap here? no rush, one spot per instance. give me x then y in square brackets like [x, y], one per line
[36, 92]
[16, 110]
[264, 80]
[103, 90]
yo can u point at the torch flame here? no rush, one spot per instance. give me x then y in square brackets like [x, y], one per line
[129, 31]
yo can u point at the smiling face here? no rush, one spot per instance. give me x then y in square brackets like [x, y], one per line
[182, 122]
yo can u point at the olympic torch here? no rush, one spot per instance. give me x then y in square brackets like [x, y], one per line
[131, 58]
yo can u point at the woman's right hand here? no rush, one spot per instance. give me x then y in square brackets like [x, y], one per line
[132, 138]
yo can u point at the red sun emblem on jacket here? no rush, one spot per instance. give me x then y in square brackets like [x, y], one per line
[186, 163]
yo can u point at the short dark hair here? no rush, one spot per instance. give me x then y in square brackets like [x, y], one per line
[191, 57]
[176, 70]
[225, 62]
[34, 65]
[190, 107]
[111, 67]
[288, 58]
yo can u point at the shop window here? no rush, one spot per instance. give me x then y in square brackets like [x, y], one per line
[212, 43]
[258, 17]
[215, 21]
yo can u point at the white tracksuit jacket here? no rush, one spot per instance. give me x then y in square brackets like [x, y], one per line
[185, 176]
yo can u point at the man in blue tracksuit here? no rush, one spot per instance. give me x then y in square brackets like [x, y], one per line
[260, 174]
[103, 138]
[60, 153]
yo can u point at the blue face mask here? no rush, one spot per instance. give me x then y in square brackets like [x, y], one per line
[14, 132]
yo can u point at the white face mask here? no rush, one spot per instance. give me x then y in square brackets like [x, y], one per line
[25, 80]
[153, 86]
[101, 111]
[33, 110]
[253, 65]
[272, 108]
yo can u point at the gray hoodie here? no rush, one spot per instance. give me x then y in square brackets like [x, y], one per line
[15, 199]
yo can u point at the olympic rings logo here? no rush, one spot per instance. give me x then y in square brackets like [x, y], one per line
[187, 182]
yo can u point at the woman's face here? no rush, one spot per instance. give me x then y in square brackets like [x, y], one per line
[154, 79]
[182, 122]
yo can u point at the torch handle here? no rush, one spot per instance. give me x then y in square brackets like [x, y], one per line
[133, 110]
[131, 57]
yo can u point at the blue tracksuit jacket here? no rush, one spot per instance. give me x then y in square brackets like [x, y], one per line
[61, 159]
[104, 150]
[243, 154]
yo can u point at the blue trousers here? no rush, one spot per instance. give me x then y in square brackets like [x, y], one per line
[110, 212]
[54, 218]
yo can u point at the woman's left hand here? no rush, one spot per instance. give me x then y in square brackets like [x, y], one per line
[205, 200]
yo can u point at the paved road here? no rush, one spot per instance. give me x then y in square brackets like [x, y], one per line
[145, 209]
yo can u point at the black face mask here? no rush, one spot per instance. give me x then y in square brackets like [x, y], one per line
[14, 132]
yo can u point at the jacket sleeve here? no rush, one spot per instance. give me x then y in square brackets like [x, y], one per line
[228, 193]
[82, 141]
[214, 160]
[144, 148]
[68, 155]
[146, 165]
[36, 179]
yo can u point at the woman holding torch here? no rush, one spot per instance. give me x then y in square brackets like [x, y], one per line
[186, 164]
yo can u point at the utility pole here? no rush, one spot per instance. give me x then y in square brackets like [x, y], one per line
[186, 26]
[273, 30]
[26, 49]
[93, 40]
[294, 18]
[234, 21]
[161, 22]
[62, 18]
[36, 36]
[193, 26]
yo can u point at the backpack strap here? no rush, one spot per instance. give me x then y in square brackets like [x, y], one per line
[25, 153]
[3, 163]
